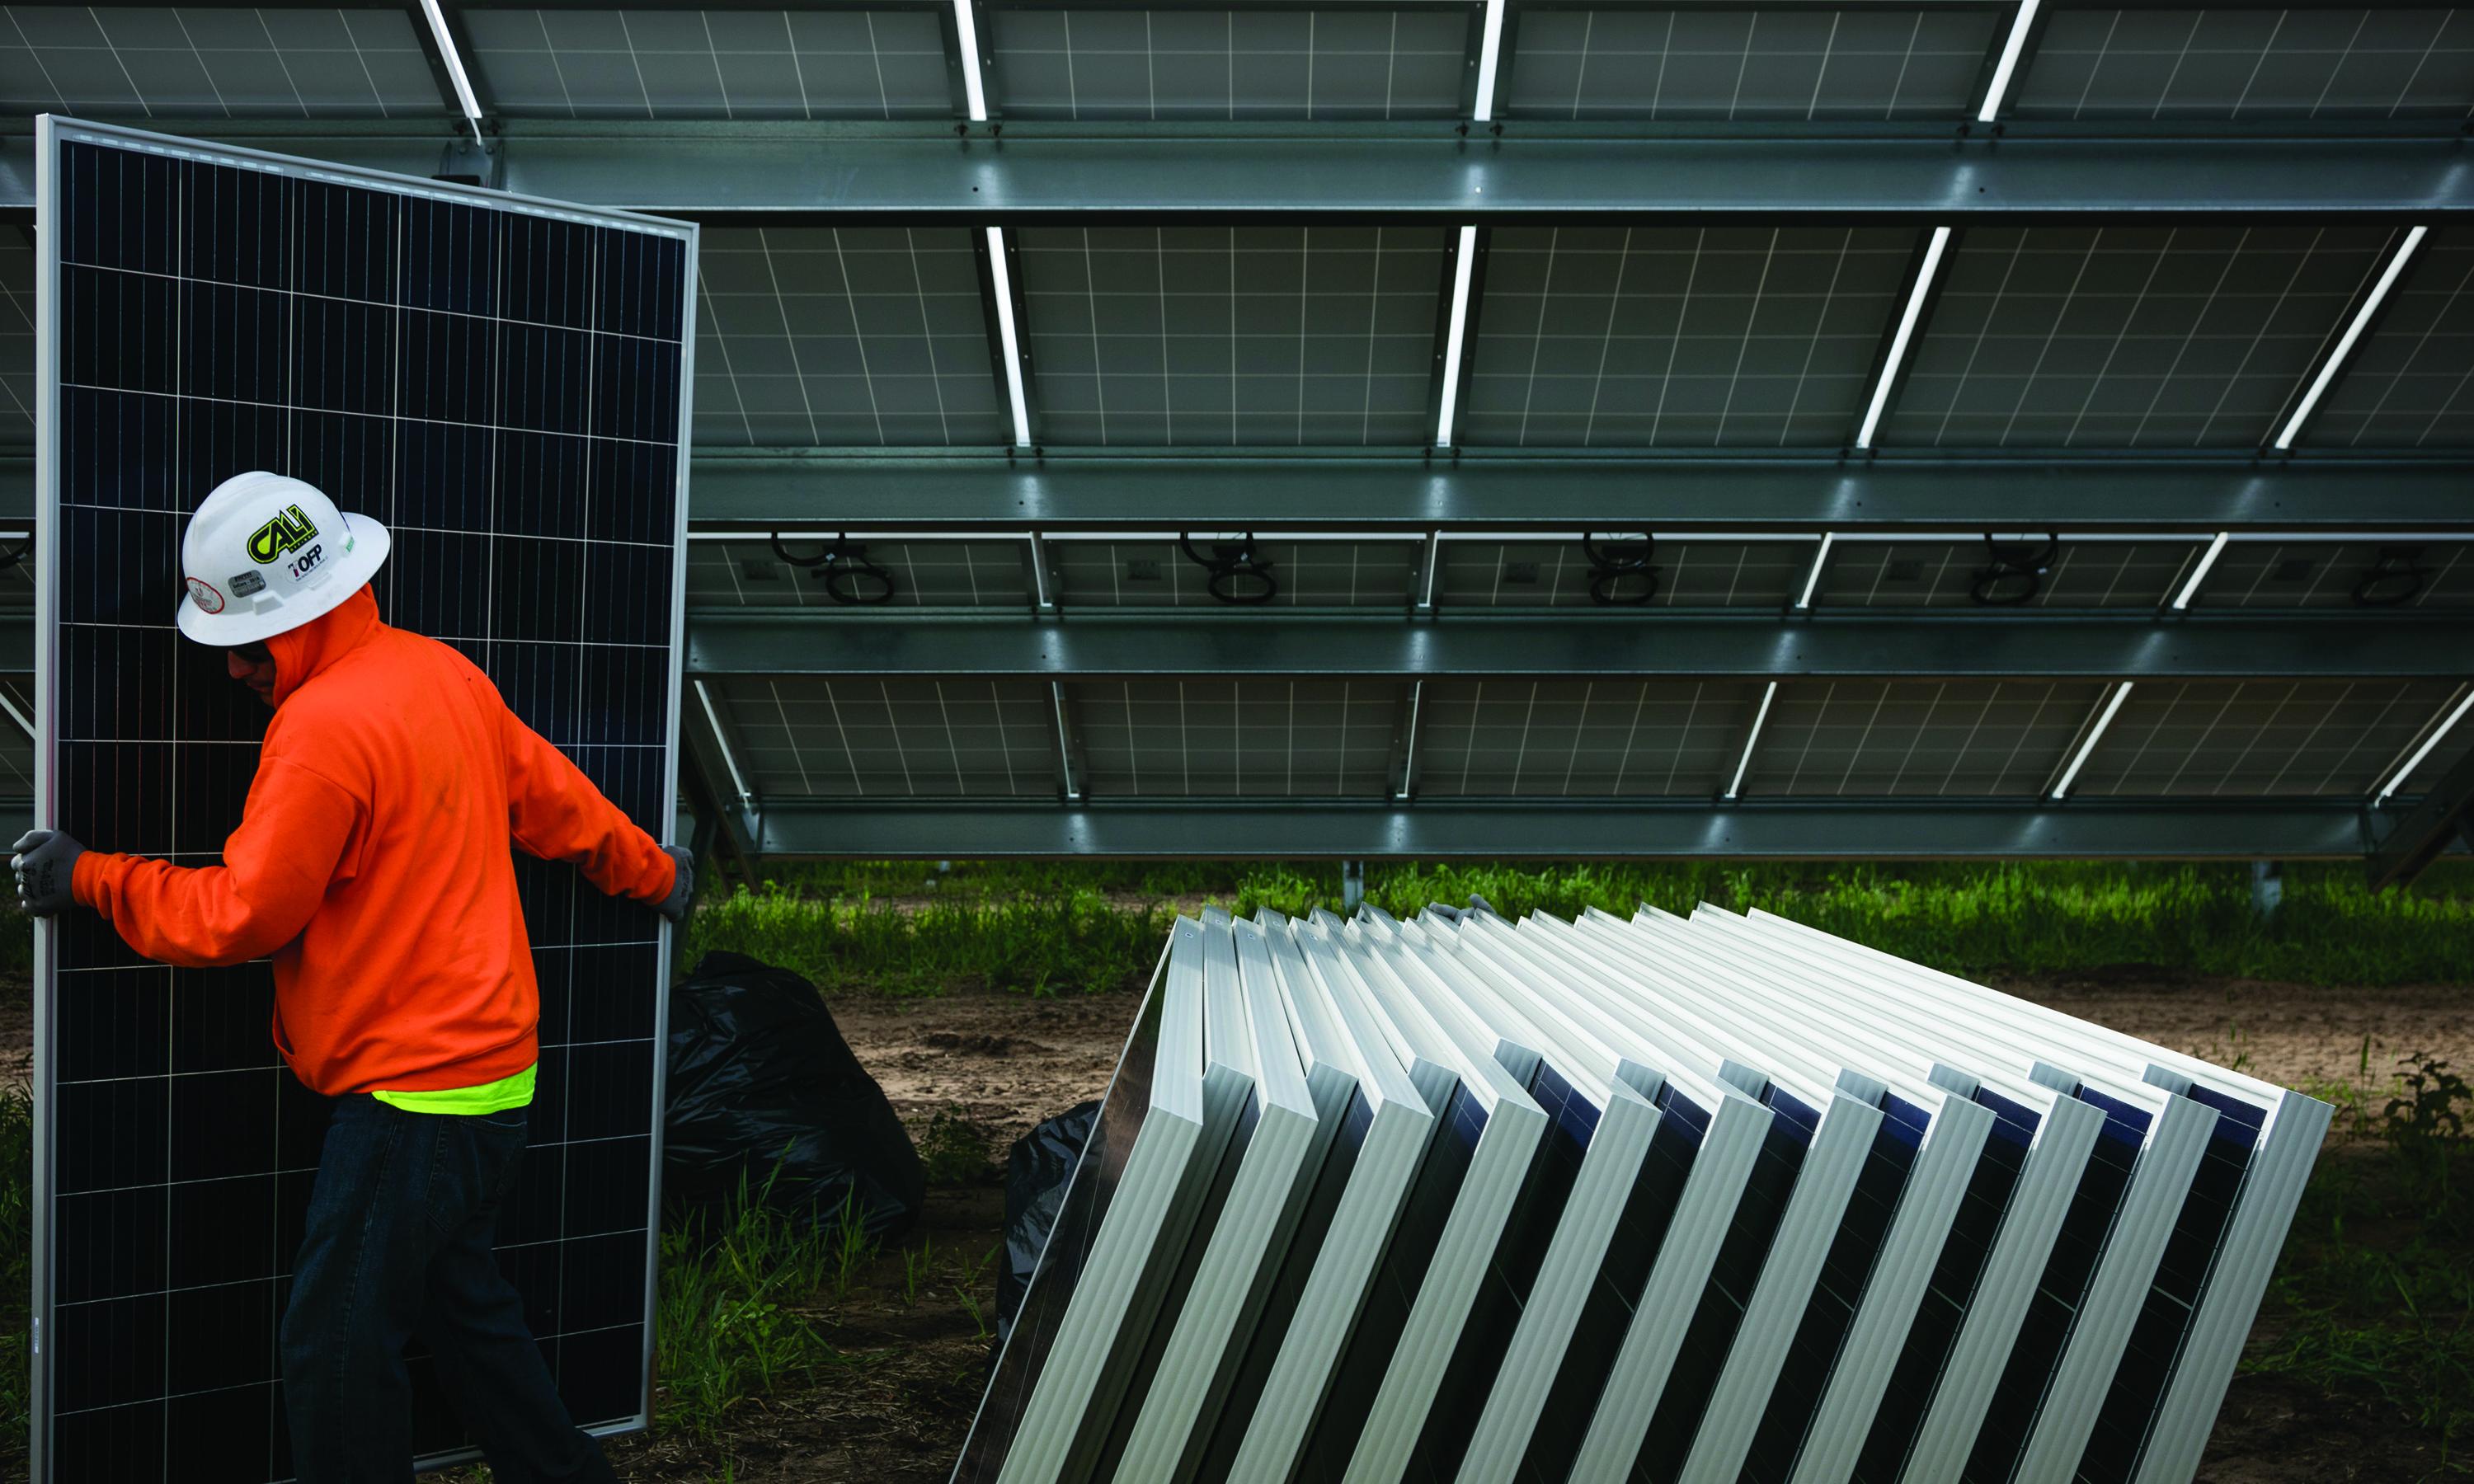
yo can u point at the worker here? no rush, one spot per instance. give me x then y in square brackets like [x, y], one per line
[372, 864]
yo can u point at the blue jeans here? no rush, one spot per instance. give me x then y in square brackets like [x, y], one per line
[399, 1244]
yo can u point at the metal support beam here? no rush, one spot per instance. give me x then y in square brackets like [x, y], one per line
[1072, 766]
[974, 494]
[1149, 644]
[758, 492]
[2286, 829]
[2444, 818]
[752, 171]
[707, 771]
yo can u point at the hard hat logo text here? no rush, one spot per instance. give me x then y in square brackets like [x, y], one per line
[286, 532]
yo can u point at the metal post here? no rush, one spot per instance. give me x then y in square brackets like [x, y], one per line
[2266, 889]
[1352, 885]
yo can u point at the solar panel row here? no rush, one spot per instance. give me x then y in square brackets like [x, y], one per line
[1698, 1198]
[1564, 60]
[899, 739]
[2117, 336]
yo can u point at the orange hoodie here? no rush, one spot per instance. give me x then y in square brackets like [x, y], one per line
[372, 862]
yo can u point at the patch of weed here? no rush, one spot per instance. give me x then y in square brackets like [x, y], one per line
[734, 1321]
[1047, 928]
[2374, 1294]
[954, 1151]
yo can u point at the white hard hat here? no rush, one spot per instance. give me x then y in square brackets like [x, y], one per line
[265, 552]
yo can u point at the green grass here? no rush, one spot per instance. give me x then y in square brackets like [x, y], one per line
[955, 1151]
[16, 1260]
[734, 1321]
[909, 928]
[2374, 1294]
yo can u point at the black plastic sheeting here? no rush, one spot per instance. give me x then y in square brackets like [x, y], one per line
[763, 1092]
[1037, 1174]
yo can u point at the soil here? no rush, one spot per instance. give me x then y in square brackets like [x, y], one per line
[896, 1410]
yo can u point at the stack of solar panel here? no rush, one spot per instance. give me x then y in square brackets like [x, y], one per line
[1698, 1198]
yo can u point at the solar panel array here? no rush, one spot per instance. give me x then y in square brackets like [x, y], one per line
[2323, 62]
[1181, 63]
[1245, 335]
[1659, 1198]
[1750, 63]
[500, 384]
[881, 62]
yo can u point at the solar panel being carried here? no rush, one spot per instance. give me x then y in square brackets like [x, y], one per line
[499, 382]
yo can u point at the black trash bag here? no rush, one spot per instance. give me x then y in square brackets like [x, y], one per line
[1037, 1174]
[763, 1088]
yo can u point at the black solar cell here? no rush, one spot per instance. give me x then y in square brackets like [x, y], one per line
[1579, 738]
[1916, 738]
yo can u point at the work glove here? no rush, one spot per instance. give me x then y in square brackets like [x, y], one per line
[674, 906]
[46, 864]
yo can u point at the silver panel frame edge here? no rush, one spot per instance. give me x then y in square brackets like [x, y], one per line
[47, 526]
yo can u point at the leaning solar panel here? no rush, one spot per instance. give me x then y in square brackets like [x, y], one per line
[1239, 1256]
[1123, 1222]
[1623, 1202]
[1922, 1150]
[500, 381]
[1381, 1124]
[2036, 1157]
[1942, 1137]
[2078, 1323]
[1516, 1274]
[1657, 1289]
[2156, 1416]
[1705, 1428]
[1516, 1343]
[1429, 1282]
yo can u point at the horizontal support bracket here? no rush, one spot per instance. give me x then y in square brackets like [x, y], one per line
[761, 492]
[976, 494]
[2250, 830]
[1151, 644]
[755, 171]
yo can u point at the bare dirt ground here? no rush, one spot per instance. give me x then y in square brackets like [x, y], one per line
[915, 1348]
